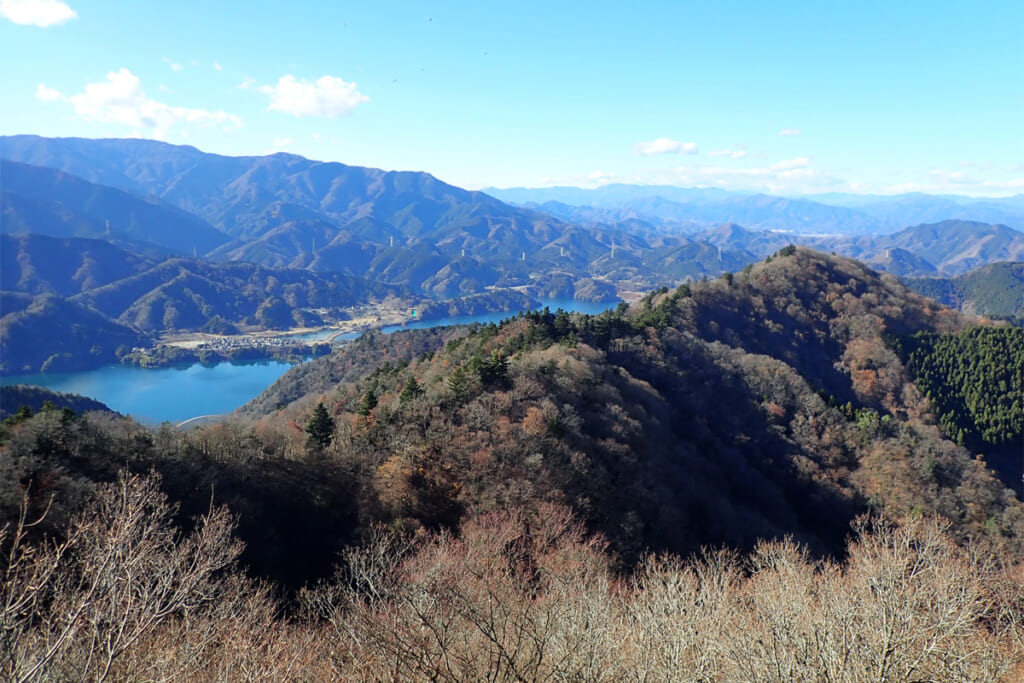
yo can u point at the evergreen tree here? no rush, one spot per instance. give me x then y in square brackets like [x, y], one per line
[411, 390]
[368, 403]
[320, 427]
[458, 385]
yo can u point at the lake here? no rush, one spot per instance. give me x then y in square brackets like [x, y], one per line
[176, 394]
[171, 394]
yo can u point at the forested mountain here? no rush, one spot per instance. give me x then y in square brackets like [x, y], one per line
[49, 333]
[413, 230]
[248, 197]
[995, 290]
[36, 264]
[98, 325]
[186, 294]
[49, 202]
[17, 397]
[954, 246]
[622, 414]
[768, 404]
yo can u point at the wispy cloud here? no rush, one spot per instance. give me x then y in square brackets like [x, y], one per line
[120, 99]
[217, 66]
[789, 132]
[789, 176]
[664, 146]
[40, 13]
[175, 66]
[790, 164]
[729, 153]
[328, 96]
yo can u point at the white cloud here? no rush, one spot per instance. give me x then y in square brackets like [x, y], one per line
[790, 164]
[247, 83]
[327, 96]
[174, 65]
[960, 182]
[36, 12]
[730, 153]
[120, 99]
[664, 146]
[281, 143]
[789, 132]
[47, 94]
[217, 66]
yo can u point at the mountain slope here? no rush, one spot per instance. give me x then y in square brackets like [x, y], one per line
[42, 200]
[763, 404]
[993, 290]
[281, 202]
[956, 246]
[53, 334]
[37, 264]
[187, 294]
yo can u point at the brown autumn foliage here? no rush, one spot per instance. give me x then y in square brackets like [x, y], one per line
[513, 596]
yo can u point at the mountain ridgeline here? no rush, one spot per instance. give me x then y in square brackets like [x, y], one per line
[76, 303]
[413, 230]
[767, 403]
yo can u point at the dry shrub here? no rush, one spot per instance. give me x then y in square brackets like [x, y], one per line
[515, 596]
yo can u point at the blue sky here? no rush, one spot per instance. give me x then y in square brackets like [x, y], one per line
[782, 97]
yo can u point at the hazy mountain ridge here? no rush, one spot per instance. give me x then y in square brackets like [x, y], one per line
[287, 210]
[411, 229]
[950, 247]
[85, 209]
[839, 213]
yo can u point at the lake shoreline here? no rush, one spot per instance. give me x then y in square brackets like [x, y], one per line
[182, 386]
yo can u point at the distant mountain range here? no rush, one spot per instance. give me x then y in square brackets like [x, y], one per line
[950, 247]
[411, 229]
[137, 237]
[284, 210]
[826, 213]
[407, 229]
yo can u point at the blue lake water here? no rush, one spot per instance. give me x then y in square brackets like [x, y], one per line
[176, 394]
[170, 394]
[553, 304]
